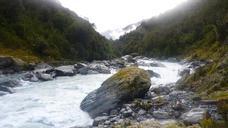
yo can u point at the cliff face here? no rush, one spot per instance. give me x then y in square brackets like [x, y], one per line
[44, 30]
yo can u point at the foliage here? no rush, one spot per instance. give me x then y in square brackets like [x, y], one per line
[195, 25]
[49, 32]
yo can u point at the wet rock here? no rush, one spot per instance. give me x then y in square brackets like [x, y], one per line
[10, 65]
[194, 116]
[44, 76]
[141, 112]
[184, 72]
[43, 66]
[30, 76]
[10, 83]
[142, 63]
[68, 70]
[161, 90]
[153, 74]
[80, 65]
[124, 86]
[100, 68]
[128, 58]
[6, 89]
[99, 119]
[161, 115]
[2, 93]
[118, 63]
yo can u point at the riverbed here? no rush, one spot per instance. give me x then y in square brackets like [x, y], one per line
[56, 103]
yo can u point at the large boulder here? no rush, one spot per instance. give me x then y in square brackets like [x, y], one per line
[9, 65]
[124, 86]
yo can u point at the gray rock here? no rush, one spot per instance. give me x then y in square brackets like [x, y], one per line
[68, 70]
[43, 66]
[161, 115]
[44, 76]
[184, 72]
[141, 112]
[194, 116]
[10, 65]
[99, 119]
[161, 90]
[153, 74]
[124, 86]
[10, 83]
[2, 93]
[128, 58]
[100, 68]
[6, 89]
[80, 65]
[30, 77]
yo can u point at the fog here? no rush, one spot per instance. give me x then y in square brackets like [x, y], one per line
[112, 14]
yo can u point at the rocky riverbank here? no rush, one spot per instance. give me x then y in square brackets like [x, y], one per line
[120, 106]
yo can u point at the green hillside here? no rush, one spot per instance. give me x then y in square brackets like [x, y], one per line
[196, 30]
[36, 30]
[193, 25]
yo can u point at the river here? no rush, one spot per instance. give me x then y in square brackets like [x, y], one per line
[56, 103]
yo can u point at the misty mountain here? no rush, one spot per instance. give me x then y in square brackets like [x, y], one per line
[44, 30]
[116, 33]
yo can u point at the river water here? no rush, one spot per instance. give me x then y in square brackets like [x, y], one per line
[56, 104]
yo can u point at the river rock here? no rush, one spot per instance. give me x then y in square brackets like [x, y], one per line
[9, 65]
[153, 74]
[100, 68]
[129, 59]
[124, 86]
[3, 93]
[79, 65]
[118, 63]
[30, 76]
[161, 90]
[184, 72]
[44, 76]
[68, 70]
[161, 115]
[43, 66]
[6, 89]
[194, 116]
[99, 120]
[10, 83]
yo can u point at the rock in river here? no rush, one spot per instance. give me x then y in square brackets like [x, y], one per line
[124, 86]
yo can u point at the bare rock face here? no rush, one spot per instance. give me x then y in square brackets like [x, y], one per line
[124, 86]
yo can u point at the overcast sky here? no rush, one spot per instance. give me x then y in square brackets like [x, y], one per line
[112, 14]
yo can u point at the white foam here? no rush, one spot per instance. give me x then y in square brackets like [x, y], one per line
[56, 104]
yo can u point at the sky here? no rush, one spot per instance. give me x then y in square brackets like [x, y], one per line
[114, 14]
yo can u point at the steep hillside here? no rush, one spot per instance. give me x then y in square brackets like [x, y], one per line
[197, 30]
[197, 24]
[43, 30]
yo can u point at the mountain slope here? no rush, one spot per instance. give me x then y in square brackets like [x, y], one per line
[177, 32]
[44, 30]
[197, 30]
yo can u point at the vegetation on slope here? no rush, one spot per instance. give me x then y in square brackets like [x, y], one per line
[44, 30]
[196, 24]
[197, 30]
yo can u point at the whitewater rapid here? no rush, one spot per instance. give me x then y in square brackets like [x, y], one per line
[56, 104]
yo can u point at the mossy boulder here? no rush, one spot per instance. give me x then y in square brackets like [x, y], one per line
[124, 86]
